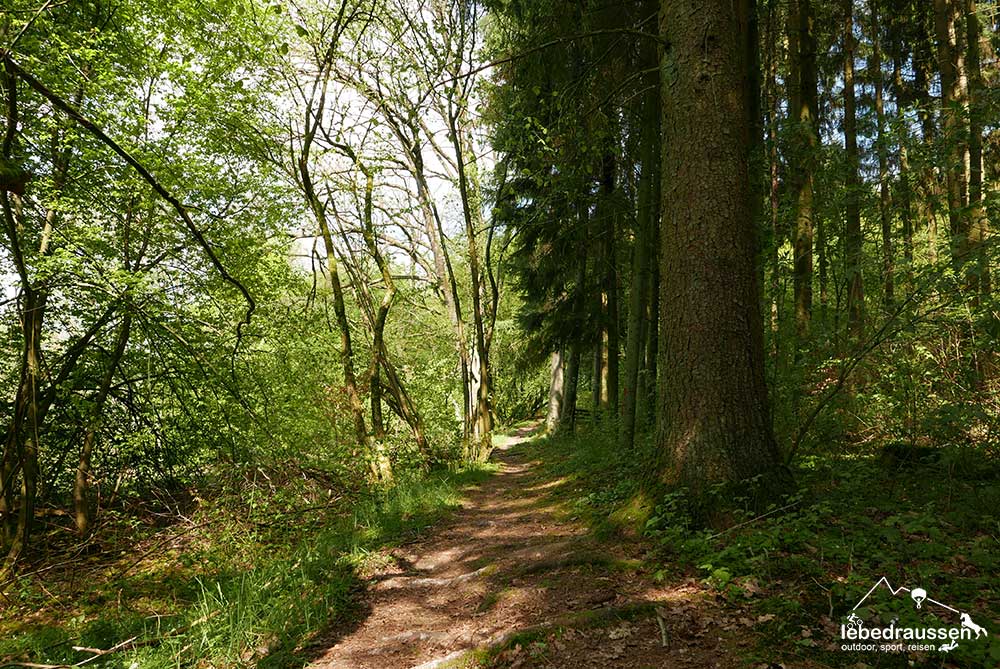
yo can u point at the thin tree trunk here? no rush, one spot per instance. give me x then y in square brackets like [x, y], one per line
[82, 507]
[905, 187]
[609, 293]
[635, 345]
[557, 391]
[979, 270]
[407, 408]
[378, 420]
[852, 237]
[572, 380]
[954, 99]
[884, 207]
[930, 190]
[379, 462]
[567, 422]
[807, 129]
[771, 95]
[468, 186]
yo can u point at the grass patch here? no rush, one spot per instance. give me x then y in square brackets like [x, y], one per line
[222, 592]
[800, 571]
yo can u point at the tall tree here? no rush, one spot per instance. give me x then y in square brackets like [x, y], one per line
[647, 217]
[853, 240]
[954, 101]
[979, 273]
[715, 421]
[882, 149]
[803, 104]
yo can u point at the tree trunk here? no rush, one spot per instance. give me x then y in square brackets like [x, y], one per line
[804, 114]
[852, 234]
[567, 421]
[479, 445]
[635, 345]
[648, 394]
[885, 215]
[407, 409]
[609, 294]
[557, 391]
[379, 463]
[378, 420]
[572, 376]
[715, 422]
[771, 95]
[978, 274]
[905, 190]
[82, 506]
[929, 187]
[954, 100]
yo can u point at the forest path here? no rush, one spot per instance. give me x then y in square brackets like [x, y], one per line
[510, 562]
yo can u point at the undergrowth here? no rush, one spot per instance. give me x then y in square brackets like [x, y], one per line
[798, 569]
[252, 577]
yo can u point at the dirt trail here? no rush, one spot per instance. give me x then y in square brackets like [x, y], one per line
[509, 562]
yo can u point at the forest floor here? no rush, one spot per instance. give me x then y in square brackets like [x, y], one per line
[511, 579]
[546, 557]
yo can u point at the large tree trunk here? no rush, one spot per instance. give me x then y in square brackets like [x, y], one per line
[852, 234]
[715, 422]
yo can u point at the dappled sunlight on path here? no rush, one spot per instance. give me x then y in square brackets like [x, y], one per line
[507, 562]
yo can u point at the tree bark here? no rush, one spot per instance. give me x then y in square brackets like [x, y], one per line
[82, 506]
[978, 274]
[715, 422]
[648, 212]
[771, 96]
[803, 108]
[905, 189]
[572, 378]
[479, 445]
[884, 204]
[557, 391]
[954, 100]
[852, 234]
[929, 186]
